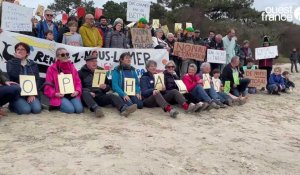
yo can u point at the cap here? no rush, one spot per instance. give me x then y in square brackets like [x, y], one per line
[90, 57]
[197, 31]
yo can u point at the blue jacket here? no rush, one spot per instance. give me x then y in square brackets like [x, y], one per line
[118, 75]
[147, 85]
[276, 79]
[42, 27]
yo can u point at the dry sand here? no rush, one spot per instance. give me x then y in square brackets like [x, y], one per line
[261, 137]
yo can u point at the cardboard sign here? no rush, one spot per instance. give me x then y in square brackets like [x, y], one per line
[129, 86]
[227, 87]
[206, 81]
[137, 9]
[188, 24]
[141, 38]
[266, 52]
[16, 17]
[40, 10]
[99, 78]
[217, 84]
[181, 86]
[159, 82]
[216, 56]
[258, 77]
[155, 23]
[165, 29]
[28, 85]
[186, 50]
[80, 12]
[178, 26]
[66, 85]
[236, 78]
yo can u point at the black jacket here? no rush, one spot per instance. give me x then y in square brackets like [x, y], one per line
[227, 74]
[170, 80]
[3, 79]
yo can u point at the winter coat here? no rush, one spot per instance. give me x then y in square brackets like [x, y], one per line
[115, 39]
[190, 81]
[42, 27]
[90, 36]
[170, 80]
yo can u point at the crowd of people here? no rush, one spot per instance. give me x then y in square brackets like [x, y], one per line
[197, 76]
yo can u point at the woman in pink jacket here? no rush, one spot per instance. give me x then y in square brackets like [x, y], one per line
[69, 103]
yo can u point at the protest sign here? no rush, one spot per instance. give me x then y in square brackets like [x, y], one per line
[188, 24]
[99, 78]
[236, 78]
[217, 84]
[137, 9]
[159, 83]
[186, 50]
[178, 26]
[181, 86]
[165, 29]
[216, 56]
[129, 86]
[141, 38]
[28, 85]
[98, 13]
[40, 10]
[227, 87]
[258, 77]
[266, 52]
[16, 17]
[206, 81]
[66, 85]
[155, 23]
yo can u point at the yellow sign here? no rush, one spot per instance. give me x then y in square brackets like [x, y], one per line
[188, 24]
[155, 23]
[99, 78]
[206, 81]
[159, 83]
[129, 86]
[178, 26]
[165, 29]
[40, 10]
[28, 85]
[66, 85]
[217, 84]
[181, 86]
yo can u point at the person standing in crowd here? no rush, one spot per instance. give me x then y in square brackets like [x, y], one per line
[198, 41]
[210, 38]
[94, 97]
[229, 45]
[21, 65]
[90, 34]
[125, 70]
[188, 38]
[69, 103]
[47, 24]
[158, 42]
[276, 82]
[116, 38]
[9, 92]
[72, 38]
[245, 53]
[217, 44]
[170, 40]
[103, 27]
[66, 29]
[294, 58]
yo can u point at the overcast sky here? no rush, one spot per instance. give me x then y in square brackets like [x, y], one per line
[258, 4]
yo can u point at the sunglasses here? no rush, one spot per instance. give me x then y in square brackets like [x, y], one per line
[49, 15]
[65, 54]
[170, 67]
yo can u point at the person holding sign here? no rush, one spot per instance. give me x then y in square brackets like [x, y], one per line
[154, 96]
[237, 82]
[9, 92]
[196, 91]
[125, 82]
[170, 84]
[158, 42]
[170, 40]
[21, 65]
[47, 24]
[96, 96]
[67, 103]
[116, 38]
[216, 43]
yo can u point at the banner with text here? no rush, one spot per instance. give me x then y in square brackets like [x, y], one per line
[266, 52]
[186, 50]
[137, 9]
[216, 56]
[258, 77]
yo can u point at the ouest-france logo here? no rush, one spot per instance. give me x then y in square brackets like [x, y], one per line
[287, 13]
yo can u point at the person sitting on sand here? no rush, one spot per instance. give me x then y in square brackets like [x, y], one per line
[126, 72]
[68, 103]
[94, 97]
[276, 82]
[289, 85]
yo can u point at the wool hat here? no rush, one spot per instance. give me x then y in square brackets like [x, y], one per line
[190, 29]
[117, 21]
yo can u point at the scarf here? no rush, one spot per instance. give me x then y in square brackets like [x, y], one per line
[65, 67]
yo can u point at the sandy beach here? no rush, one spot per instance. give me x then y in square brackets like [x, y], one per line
[260, 137]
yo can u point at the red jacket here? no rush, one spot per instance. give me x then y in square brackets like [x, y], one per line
[265, 63]
[190, 81]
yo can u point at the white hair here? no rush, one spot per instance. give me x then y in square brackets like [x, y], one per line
[205, 64]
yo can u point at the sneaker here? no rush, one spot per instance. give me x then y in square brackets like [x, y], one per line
[204, 106]
[173, 113]
[229, 102]
[198, 106]
[213, 105]
[2, 113]
[262, 89]
[276, 93]
[128, 110]
[220, 104]
[98, 112]
[191, 107]
[242, 101]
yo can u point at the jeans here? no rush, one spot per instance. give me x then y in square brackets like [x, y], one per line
[212, 93]
[294, 64]
[71, 106]
[241, 88]
[164, 100]
[8, 94]
[200, 94]
[21, 106]
[134, 100]
[224, 97]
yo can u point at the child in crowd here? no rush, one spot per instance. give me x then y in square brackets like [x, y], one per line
[49, 35]
[72, 38]
[276, 83]
[289, 85]
[249, 65]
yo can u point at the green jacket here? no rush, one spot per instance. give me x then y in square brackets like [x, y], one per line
[3, 79]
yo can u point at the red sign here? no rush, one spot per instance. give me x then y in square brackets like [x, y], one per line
[98, 13]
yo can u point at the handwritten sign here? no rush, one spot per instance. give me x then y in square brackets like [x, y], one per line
[99, 78]
[181, 86]
[258, 77]
[155, 23]
[40, 10]
[236, 78]
[159, 82]
[16, 17]
[266, 52]
[186, 50]
[216, 56]
[66, 85]
[217, 84]
[188, 24]
[141, 38]
[206, 81]
[129, 86]
[165, 29]
[178, 26]
[28, 85]
[137, 9]
[227, 87]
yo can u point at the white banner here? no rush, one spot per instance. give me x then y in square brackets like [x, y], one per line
[16, 17]
[43, 53]
[137, 9]
[216, 56]
[266, 52]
